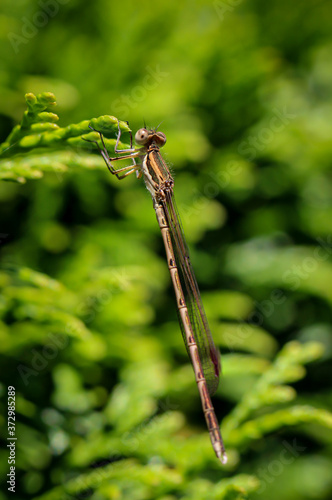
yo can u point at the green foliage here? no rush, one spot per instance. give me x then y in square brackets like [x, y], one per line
[38, 134]
[106, 403]
[39, 303]
[288, 367]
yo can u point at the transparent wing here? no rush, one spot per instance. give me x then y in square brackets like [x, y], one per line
[209, 355]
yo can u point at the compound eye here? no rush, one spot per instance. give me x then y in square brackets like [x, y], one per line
[161, 138]
[141, 136]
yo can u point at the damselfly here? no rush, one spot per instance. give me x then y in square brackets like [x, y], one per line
[203, 354]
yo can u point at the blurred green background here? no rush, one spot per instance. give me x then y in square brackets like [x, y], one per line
[106, 402]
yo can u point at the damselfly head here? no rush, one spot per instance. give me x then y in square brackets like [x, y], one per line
[144, 136]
